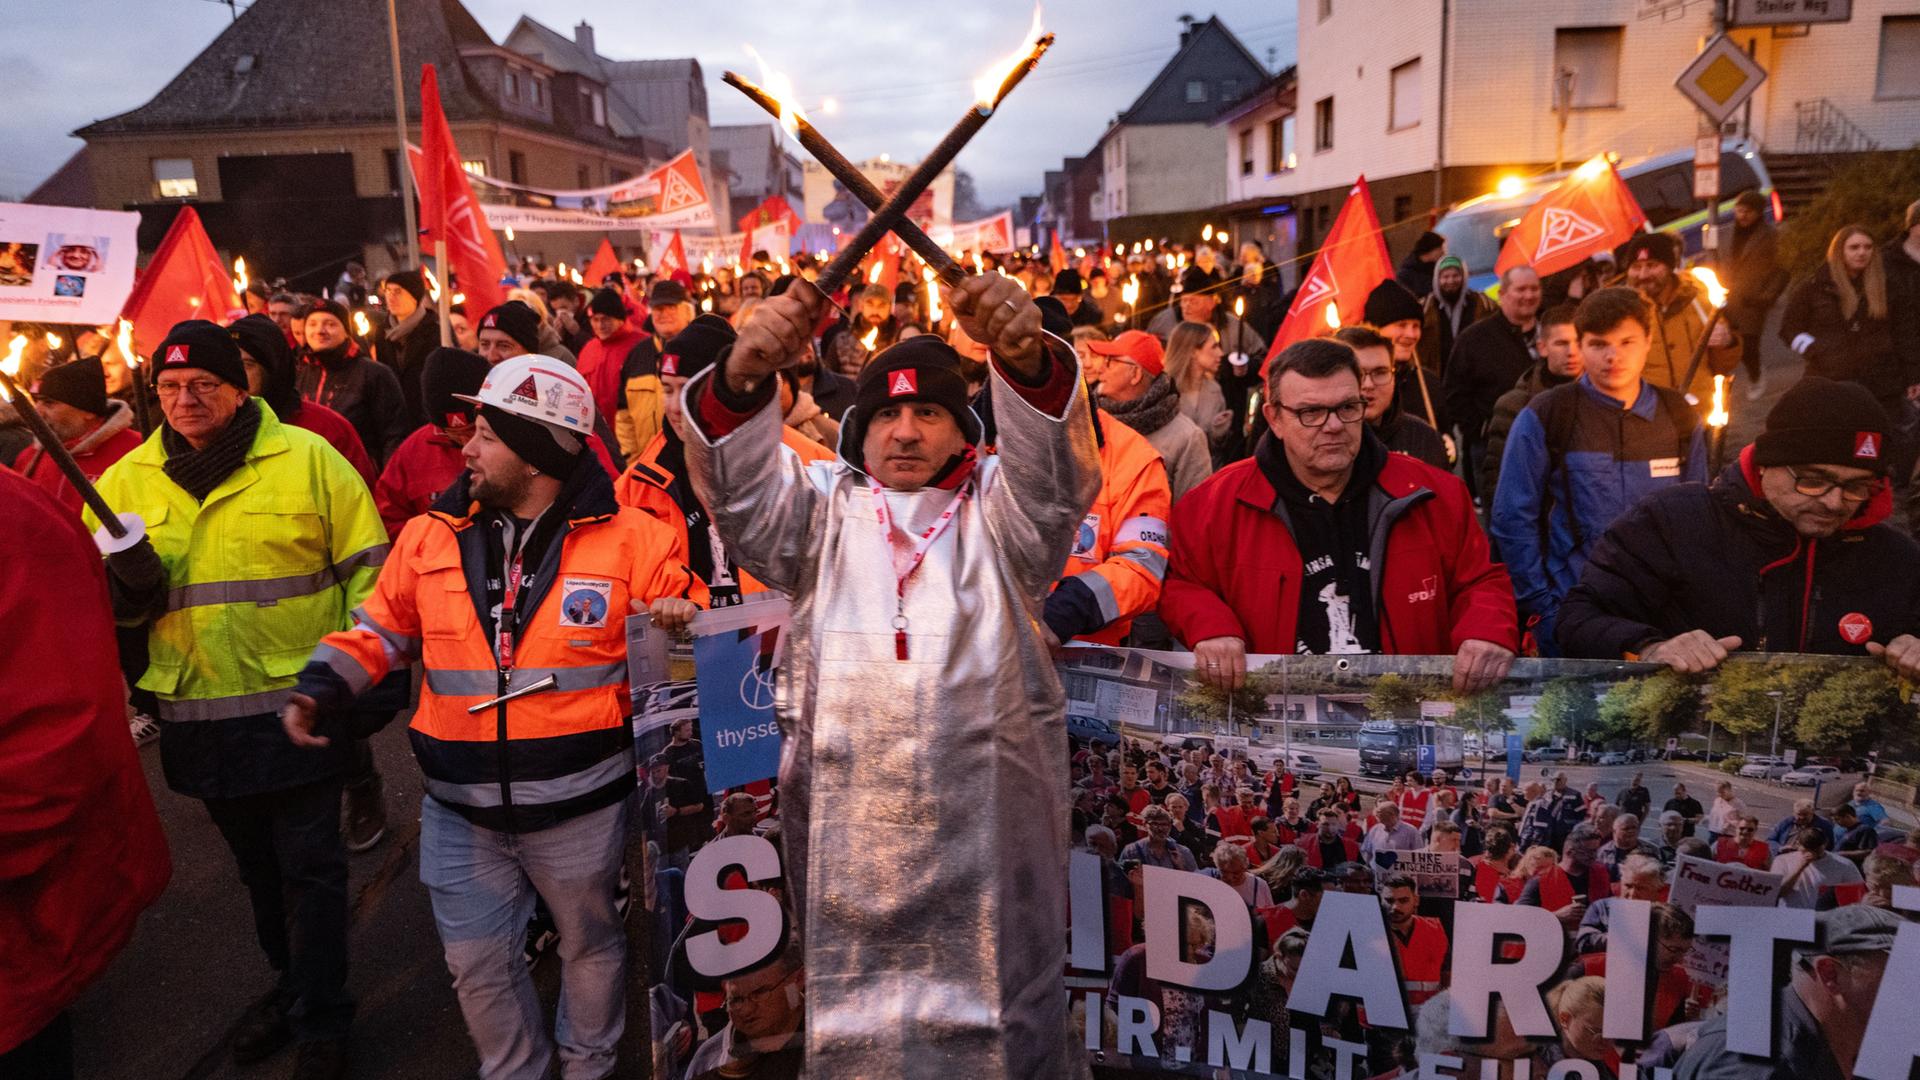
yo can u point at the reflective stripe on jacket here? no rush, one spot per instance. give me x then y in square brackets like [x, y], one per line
[1120, 552]
[274, 559]
[536, 761]
[646, 486]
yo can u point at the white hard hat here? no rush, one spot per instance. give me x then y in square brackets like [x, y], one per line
[541, 389]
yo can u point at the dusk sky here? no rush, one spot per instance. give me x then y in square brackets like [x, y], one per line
[901, 72]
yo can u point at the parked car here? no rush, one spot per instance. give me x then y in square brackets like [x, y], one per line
[1812, 775]
[1267, 758]
[1612, 757]
[1186, 740]
[1092, 729]
[1765, 767]
[1547, 753]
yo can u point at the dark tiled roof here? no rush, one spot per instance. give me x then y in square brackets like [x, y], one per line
[293, 62]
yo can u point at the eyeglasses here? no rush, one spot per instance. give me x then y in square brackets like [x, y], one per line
[761, 996]
[201, 388]
[1814, 486]
[1313, 416]
[1376, 376]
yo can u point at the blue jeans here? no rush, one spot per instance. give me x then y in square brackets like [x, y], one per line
[483, 883]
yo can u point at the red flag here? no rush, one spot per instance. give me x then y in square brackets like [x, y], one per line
[184, 280]
[1350, 263]
[1589, 212]
[773, 213]
[449, 213]
[604, 262]
[672, 258]
[1056, 255]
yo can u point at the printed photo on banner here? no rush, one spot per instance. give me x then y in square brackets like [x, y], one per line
[1347, 870]
[63, 264]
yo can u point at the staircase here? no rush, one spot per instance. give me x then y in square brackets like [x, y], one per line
[1825, 139]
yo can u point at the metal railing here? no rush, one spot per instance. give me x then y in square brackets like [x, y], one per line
[1822, 128]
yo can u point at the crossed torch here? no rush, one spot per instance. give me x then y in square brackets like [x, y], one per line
[889, 212]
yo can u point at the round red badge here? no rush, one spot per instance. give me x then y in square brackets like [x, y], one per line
[1855, 628]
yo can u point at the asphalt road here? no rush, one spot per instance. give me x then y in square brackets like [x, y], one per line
[165, 1006]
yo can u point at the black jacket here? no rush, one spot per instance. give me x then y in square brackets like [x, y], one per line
[1488, 358]
[1407, 434]
[367, 393]
[1536, 380]
[408, 359]
[1719, 559]
[1856, 349]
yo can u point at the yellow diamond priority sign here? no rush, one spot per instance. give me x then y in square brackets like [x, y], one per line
[1720, 79]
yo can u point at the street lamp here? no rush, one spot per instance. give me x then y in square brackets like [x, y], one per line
[1776, 695]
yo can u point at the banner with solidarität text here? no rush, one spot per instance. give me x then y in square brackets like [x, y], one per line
[1344, 869]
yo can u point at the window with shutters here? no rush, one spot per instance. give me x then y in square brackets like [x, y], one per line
[1403, 96]
[1592, 54]
[1899, 57]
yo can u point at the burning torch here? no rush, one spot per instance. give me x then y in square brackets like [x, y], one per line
[1717, 296]
[117, 532]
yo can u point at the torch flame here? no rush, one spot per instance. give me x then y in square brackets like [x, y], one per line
[361, 326]
[577, 279]
[1239, 306]
[871, 339]
[1131, 290]
[240, 274]
[987, 88]
[1591, 168]
[53, 341]
[1710, 281]
[873, 275]
[706, 264]
[459, 298]
[784, 268]
[706, 303]
[933, 299]
[979, 265]
[1333, 317]
[11, 365]
[124, 339]
[1206, 233]
[433, 284]
[1718, 417]
[509, 234]
[780, 89]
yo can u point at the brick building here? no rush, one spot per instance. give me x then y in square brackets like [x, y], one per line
[281, 133]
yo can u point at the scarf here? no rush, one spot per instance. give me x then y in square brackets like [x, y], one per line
[398, 331]
[1453, 309]
[198, 472]
[1150, 411]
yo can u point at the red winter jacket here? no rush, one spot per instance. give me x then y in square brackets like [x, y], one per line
[339, 433]
[110, 440]
[425, 464]
[1235, 571]
[81, 851]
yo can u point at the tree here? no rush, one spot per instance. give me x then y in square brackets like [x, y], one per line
[1394, 698]
[966, 198]
[1208, 703]
[1850, 710]
[1873, 192]
[1668, 704]
[1620, 708]
[1568, 708]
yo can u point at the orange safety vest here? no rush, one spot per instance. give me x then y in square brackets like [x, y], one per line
[1423, 959]
[1490, 881]
[1120, 550]
[533, 762]
[645, 486]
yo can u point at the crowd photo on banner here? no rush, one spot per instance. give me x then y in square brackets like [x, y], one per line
[930, 649]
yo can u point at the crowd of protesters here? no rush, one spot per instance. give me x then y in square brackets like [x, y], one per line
[1282, 842]
[1328, 498]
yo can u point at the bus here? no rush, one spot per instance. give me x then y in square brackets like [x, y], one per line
[1390, 748]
